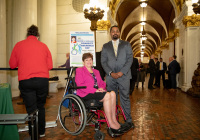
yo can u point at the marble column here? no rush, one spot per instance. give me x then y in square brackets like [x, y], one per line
[47, 26]
[3, 78]
[24, 14]
[192, 54]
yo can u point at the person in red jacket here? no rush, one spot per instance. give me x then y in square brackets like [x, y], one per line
[34, 61]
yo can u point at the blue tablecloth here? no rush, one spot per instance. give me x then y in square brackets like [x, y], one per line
[7, 132]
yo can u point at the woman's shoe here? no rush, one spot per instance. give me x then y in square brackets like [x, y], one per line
[114, 132]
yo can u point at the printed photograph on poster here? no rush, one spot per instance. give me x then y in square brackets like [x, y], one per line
[80, 43]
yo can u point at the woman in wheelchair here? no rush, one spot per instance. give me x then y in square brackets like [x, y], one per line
[96, 89]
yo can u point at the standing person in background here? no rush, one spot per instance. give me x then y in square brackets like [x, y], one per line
[152, 69]
[157, 73]
[140, 74]
[134, 68]
[34, 61]
[116, 60]
[174, 68]
[67, 64]
[162, 70]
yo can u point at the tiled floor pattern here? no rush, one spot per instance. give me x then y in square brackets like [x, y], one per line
[157, 115]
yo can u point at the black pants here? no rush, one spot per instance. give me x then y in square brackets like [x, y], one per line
[132, 83]
[162, 73]
[173, 80]
[151, 78]
[157, 80]
[34, 92]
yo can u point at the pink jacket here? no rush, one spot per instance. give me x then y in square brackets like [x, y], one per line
[84, 78]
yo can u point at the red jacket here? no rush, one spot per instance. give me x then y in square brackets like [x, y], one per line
[84, 78]
[32, 58]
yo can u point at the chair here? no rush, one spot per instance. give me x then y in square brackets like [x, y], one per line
[75, 113]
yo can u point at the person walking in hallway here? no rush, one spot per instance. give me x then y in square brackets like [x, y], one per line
[34, 61]
[134, 68]
[116, 60]
[140, 74]
[162, 70]
[157, 73]
[152, 69]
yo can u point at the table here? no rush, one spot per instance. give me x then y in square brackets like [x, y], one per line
[7, 132]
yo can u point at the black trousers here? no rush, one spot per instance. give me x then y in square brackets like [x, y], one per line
[162, 73]
[173, 80]
[157, 78]
[151, 79]
[132, 83]
[34, 92]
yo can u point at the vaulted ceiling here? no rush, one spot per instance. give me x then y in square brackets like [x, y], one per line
[158, 16]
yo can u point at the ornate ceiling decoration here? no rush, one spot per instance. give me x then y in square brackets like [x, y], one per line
[158, 16]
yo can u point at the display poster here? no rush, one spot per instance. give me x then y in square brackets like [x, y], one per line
[80, 43]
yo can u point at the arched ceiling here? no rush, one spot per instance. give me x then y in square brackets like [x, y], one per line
[158, 15]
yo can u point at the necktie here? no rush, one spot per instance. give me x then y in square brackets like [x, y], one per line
[115, 47]
[160, 66]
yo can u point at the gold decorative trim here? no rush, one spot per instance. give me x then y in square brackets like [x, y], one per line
[103, 25]
[112, 6]
[190, 21]
[172, 38]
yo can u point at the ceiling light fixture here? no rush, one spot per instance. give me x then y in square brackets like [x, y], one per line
[143, 3]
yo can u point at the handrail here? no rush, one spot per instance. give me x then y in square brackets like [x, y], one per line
[17, 69]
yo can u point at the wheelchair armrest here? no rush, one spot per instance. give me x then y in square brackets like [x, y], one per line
[81, 87]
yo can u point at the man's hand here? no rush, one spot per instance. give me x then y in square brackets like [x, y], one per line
[120, 74]
[114, 75]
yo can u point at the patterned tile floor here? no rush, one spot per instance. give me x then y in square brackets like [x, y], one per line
[157, 115]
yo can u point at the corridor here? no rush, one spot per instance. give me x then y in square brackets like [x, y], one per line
[157, 114]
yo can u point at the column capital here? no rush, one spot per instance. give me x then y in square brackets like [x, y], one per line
[103, 25]
[190, 21]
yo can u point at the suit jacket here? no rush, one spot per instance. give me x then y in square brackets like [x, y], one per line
[84, 78]
[134, 66]
[173, 66]
[121, 63]
[152, 66]
[164, 66]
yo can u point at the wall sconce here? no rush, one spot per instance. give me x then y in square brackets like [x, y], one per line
[196, 6]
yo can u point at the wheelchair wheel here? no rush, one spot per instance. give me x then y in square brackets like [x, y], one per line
[99, 135]
[72, 114]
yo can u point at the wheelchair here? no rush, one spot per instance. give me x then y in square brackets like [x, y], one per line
[75, 113]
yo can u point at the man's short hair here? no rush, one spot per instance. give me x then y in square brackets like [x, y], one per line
[174, 56]
[113, 26]
[156, 58]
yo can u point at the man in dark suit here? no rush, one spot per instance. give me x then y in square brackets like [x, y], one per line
[134, 67]
[116, 60]
[173, 70]
[157, 73]
[162, 70]
[152, 69]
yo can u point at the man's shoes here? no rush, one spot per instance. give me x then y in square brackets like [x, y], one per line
[42, 135]
[114, 132]
[127, 126]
